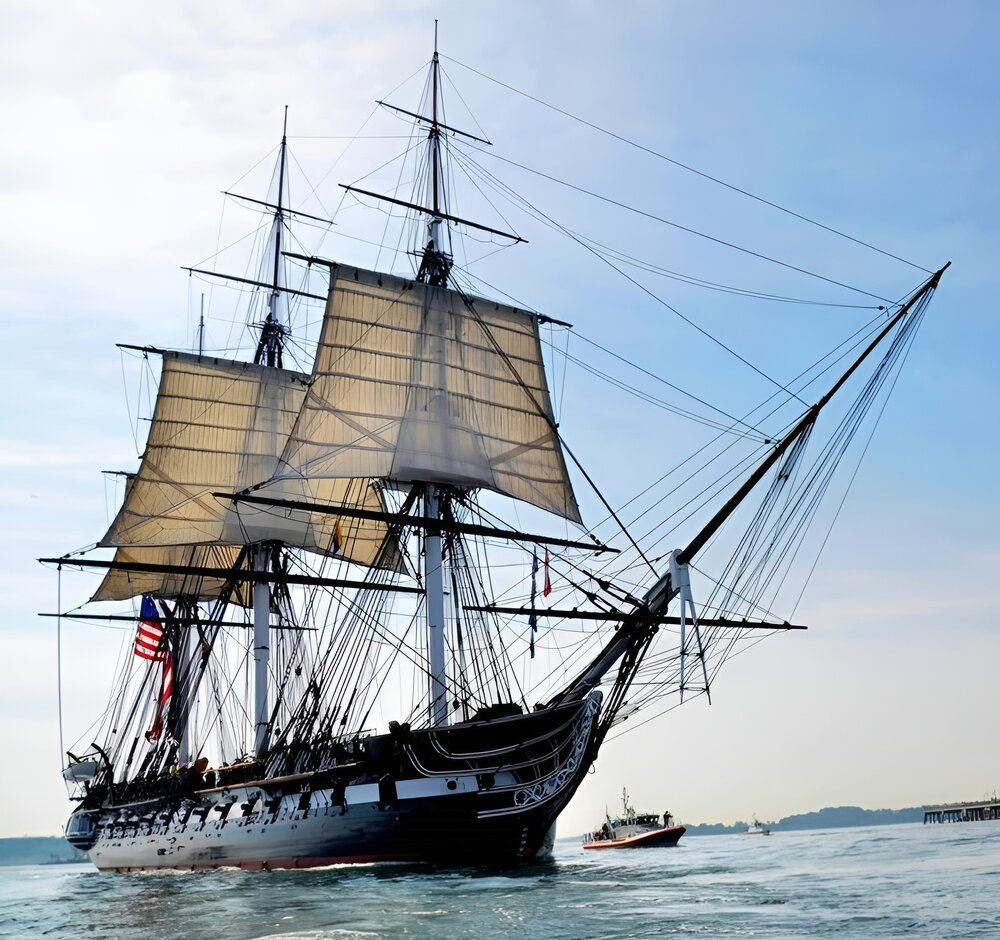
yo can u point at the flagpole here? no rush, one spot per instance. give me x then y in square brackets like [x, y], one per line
[150, 643]
[62, 749]
[533, 618]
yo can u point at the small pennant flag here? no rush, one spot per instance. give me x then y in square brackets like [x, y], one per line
[338, 538]
[547, 589]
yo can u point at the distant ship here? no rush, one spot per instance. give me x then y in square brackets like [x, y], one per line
[334, 662]
[634, 830]
[757, 829]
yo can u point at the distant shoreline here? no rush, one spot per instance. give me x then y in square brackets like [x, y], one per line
[38, 850]
[830, 817]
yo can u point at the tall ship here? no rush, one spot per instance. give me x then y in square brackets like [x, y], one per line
[339, 648]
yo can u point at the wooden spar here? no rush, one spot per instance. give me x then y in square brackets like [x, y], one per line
[156, 350]
[435, 122]
[436, 213]
[699, 541]
[228, 574]
[181, 621]
[332, 265]
[614, 615]
[427, 522]
[255, 283]
[271, 205]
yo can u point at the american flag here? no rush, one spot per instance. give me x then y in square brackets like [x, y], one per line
[149, 636]
[149, 645]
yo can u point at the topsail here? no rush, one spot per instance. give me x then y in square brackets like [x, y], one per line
[220, 425]
[416, 383]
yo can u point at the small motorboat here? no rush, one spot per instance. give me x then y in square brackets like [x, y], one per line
[634, 830]
[756, 829]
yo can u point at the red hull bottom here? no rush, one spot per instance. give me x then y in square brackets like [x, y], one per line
[647, 840]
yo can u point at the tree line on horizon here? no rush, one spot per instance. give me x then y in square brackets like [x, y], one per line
[830, 817]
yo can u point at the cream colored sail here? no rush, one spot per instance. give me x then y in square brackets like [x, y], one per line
[416, 383]
[219, 426]
[119, 585]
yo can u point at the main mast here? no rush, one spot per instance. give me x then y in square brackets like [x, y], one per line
[432, 406]
[434, 268]
[435, 263]
[269, 353]
[272, 332]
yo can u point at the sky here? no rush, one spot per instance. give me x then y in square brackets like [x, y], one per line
[124, 123]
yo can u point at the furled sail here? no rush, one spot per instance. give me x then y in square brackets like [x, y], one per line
[219, 426]
[120, 584]
[420, 383]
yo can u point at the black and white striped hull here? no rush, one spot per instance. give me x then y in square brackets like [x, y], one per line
[503, 816]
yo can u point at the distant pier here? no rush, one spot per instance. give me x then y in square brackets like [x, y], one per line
[963, 812]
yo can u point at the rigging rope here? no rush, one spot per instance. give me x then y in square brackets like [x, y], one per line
[683, 166]
[684, 228]
[652, 294]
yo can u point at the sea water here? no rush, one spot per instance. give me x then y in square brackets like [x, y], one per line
[936, 881]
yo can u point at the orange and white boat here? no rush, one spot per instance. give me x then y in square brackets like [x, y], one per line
[634, 830]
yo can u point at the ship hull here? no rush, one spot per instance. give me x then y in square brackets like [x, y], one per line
[440, 830]
[503, 813]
